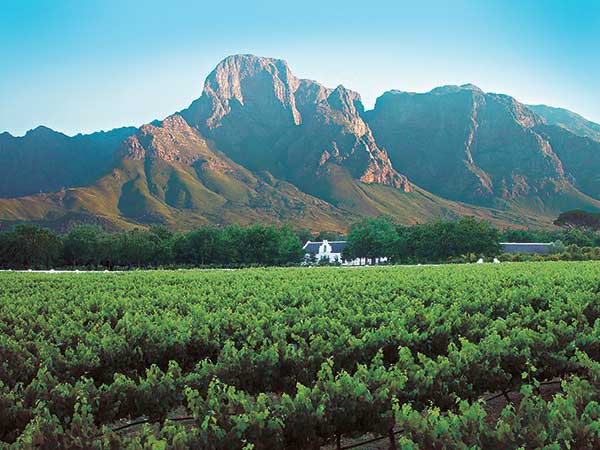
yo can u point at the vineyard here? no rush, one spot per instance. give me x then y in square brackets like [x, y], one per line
[300, 358]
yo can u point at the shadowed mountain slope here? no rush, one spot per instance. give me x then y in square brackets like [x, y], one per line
[262, 116]
[487, 149]
[44, 160]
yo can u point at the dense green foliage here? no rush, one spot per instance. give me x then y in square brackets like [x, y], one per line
[29, 246]
[87, 246]
[463, 240]
[431, 242]
[290, 358]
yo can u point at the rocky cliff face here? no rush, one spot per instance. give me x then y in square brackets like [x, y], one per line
[266, 86]
[580, 157]
[247, 105]
[171, 140]
[261, 115]
[167, 173]
[467, 145]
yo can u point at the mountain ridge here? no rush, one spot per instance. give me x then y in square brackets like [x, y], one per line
[568, 120]
[261, 145]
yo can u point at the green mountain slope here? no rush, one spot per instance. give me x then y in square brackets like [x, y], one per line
[169, 175]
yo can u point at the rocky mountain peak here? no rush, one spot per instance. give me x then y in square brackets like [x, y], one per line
[471, 87]
[345, 101]
[253, 81]
[6, 136]
[455, 89]
[464, 144]
[177, 123]
[262, 116]
[170, 140]
[518, 111]
[340, 106]
[42, 131]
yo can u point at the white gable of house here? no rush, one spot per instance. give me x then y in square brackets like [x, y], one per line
[331, 250]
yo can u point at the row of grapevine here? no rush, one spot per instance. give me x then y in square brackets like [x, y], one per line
[293, 358]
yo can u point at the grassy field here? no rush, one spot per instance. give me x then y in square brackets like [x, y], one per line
[298, 358]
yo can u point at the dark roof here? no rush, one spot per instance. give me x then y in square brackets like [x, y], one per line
[526, 247]
[337, 246]
[313, 247]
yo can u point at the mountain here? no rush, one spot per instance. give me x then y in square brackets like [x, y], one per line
[258, 113]
[568, 120]
[166, 173]
[44, 160]
[260, 145]
[488, 149]
[265, 118]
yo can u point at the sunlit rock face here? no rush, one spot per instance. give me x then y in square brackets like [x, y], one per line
[261, 115]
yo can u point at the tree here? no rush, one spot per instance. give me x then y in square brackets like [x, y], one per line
[137, 248]
[580, 238]
[528, 235]
[30, 246]
[109, 249]
[477, 236]
[304, 235]
[82, 245]
[162, 238]
[204, 245]
[371, 238]
[329, 236]
[258, 245]
[289, 247]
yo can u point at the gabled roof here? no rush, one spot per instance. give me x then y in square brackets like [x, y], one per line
[313, 247]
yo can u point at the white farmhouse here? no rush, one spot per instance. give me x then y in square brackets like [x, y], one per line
[330, 251]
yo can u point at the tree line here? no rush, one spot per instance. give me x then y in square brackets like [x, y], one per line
[32, 247]
[465, 239]
[569, 236]
[429, 242]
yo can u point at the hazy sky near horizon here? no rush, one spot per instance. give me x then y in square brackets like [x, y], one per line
[82, 66]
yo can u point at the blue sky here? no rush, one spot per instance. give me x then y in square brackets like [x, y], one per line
[81, 66]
